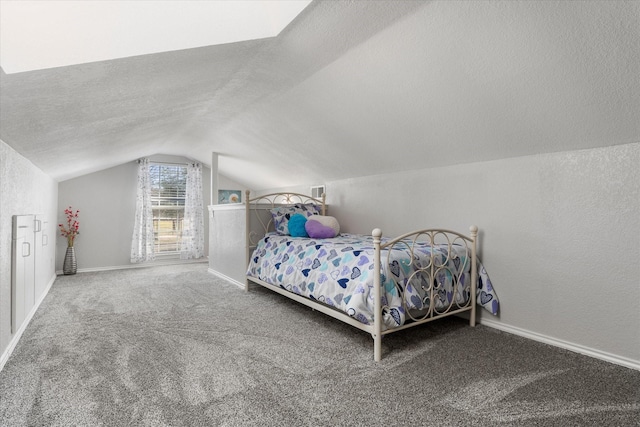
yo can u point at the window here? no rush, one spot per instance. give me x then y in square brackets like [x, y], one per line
[168, 188]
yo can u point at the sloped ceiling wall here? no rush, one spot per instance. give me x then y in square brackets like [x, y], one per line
[348, 89]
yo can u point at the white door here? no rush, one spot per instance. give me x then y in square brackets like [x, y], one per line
[22, 269]
[43, 258]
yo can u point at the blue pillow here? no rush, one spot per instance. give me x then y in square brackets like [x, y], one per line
[296, 225]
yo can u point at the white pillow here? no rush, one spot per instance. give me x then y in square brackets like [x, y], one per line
[322, 227]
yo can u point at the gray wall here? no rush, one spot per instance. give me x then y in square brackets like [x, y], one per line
[24, 189]
[559, 236]
[107, 202]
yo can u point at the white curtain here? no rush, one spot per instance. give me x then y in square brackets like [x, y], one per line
[142, 241]
[192, 245]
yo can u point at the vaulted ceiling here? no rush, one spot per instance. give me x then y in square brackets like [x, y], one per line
[349, 88]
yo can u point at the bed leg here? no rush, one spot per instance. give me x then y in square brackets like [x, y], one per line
[377, 348]
[472, 317]
[377, 296]
[474, 274]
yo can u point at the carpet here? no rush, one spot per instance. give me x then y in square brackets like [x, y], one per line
[176, 346]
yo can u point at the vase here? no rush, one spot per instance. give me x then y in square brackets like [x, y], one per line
[70, 265]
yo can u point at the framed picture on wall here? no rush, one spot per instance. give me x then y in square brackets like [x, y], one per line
[229, 196]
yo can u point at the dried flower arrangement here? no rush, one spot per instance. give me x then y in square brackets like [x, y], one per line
[71, 230]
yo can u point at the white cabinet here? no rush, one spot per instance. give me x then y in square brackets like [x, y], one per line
[44, 258]
[32, 261]
[23, 292]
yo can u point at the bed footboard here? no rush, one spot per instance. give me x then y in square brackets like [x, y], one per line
[430, 277]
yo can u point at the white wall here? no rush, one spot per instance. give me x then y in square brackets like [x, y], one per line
[24, 189]
[559, 236]
[227, 242]
[107, 202]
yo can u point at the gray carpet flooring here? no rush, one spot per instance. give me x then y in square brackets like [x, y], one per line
[175, 346]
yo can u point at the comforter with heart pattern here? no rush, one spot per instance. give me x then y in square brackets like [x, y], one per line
[339, 272]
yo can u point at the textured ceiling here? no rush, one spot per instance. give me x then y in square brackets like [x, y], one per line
[348, 89]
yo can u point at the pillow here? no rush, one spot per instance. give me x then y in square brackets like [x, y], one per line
[322, 227]
[282, 214]
[296, 225]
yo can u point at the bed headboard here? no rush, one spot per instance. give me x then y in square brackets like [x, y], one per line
[258, 210]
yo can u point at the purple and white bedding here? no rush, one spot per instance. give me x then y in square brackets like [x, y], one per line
[339, 272]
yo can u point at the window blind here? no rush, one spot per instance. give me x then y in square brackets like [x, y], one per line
[168, 188]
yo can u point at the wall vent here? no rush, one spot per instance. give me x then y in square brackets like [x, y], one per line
[317, 191]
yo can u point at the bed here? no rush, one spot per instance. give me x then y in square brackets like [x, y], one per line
[377, 284]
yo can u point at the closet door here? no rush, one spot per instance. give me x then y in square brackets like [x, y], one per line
[22, 269]
[43, 258]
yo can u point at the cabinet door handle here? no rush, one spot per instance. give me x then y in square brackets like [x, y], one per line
[45, 240]
[38, 225]
[28, 245]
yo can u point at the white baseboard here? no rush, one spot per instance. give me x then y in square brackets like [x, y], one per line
[576, 348]
[598, 354]
[141, 265]
[16, 337]
[227, 278]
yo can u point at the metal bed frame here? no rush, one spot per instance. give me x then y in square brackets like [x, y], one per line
[257, 207]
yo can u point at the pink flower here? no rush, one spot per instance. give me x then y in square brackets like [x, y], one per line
[73, 225]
